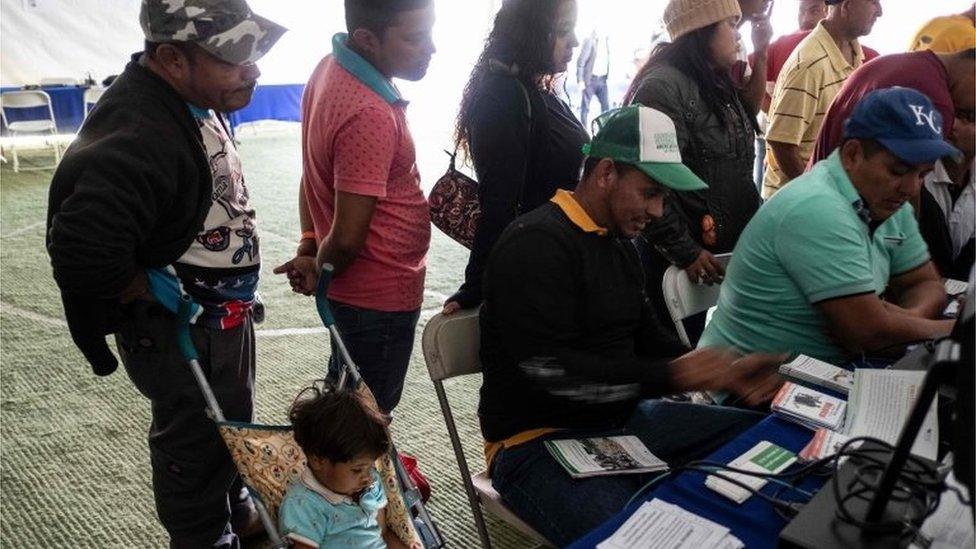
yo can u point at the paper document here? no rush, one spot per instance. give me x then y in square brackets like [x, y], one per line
[764, 457]
[817, 372]
[661, 525]
[951, 525]
[880, 403]
[588, 457]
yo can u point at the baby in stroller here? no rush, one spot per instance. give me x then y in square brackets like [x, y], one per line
[339, 500]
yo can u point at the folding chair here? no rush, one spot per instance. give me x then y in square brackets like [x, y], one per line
[24, 100]
[685, 299]
[92, 95]
[451, 344]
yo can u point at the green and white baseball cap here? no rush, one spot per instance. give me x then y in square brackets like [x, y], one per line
[646, 139]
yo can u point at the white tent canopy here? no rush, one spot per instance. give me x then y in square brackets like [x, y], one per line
[71, 38]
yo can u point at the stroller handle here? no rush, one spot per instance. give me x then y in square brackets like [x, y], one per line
[321, 301]
[183, 340]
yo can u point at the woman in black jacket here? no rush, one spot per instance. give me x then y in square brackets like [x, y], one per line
[689, 79]
[524, 142]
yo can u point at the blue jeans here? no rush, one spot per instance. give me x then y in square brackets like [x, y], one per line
[537, 489]
[380, 343]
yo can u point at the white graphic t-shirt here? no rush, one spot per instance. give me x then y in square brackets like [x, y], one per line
[220, 269]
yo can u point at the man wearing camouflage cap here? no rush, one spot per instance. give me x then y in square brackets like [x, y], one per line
[150, 203]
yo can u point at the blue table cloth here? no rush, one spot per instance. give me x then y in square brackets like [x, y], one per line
[754, 521]
[67, 102]
[271, 102]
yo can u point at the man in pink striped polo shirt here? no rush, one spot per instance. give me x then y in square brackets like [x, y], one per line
[361, 206]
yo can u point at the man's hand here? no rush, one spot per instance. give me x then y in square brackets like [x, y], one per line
[138, 288]
[303, 274]
[706, 269]
[762, 33]
[753, 377]
[450, 308]
[307, 247]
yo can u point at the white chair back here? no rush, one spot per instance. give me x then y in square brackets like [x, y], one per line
[92, 95]
[684, 298]
[25, 99]
[59, 81]
[451, 345]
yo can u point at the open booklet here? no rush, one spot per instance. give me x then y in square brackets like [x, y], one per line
[880, 403]
[589, 457]
[878, 407]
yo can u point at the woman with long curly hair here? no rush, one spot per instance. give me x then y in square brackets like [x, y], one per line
[690, 80]
[524, 142]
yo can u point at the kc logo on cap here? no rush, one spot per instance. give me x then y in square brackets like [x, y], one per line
[922, 118]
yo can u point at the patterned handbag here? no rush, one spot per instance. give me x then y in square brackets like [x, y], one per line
[454, 206]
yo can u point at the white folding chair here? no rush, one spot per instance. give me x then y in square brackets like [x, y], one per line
[685, 299]
[92, 95]
[29, 99]
[451, 345]
[59, 81]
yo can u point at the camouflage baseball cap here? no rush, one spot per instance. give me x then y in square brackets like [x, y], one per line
[228, 29]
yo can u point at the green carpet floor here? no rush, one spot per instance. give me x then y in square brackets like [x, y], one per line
[74, 467]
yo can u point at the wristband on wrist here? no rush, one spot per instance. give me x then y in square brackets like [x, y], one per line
[308, 235]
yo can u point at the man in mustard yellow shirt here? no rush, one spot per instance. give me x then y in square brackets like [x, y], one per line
[807, 84]
[948, 33]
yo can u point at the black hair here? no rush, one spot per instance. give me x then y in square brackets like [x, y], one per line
[377, 15]
[590, 162]
[968, 53]
[337, 425]
[522, 36]
[870, 147]
[691, 55]
[189, 49]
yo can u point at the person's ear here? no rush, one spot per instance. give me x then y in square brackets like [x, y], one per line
[851, 154]
[606, 172]
[173, 61]
[366, 40]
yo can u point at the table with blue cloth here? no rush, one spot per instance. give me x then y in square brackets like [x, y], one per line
[269, 102]
[754, 521]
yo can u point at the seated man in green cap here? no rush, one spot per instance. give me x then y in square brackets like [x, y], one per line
[833, 266]
[570, 346]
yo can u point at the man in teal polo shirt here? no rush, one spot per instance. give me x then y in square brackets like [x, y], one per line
[833, 266]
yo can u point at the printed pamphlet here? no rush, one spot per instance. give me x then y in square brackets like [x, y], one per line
[589, 457]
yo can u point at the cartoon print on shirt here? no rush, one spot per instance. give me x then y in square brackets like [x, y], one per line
[249, 243]
[229, 190]
[215, 240]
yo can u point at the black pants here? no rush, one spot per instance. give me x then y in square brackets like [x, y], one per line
[596, 86]
[195, 483]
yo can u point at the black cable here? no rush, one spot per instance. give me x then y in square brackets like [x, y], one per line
[775, 502]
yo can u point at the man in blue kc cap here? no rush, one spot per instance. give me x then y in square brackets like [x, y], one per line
[833, 266]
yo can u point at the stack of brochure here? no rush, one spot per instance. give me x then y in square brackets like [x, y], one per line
[809, 407]
[661, 525]
[817, 372]
[589, 457]
[824, 443]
